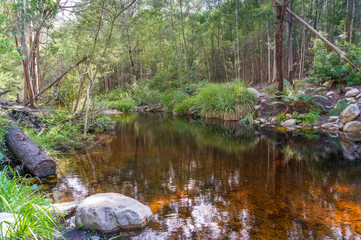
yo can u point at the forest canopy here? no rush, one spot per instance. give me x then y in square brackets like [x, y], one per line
[62, 48]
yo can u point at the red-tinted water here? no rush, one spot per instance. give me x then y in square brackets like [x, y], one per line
[205, 180]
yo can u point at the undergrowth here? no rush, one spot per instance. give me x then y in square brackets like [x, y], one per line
[30, 207]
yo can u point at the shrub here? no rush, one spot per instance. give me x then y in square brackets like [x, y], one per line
[300, 99]
[171, 98]
[125, 105]
[329, 66]
[311, 117]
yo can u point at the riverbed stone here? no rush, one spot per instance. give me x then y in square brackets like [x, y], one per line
[333, 118]
[289, 123]
[290, 116]
[274, 120]
[327, 84]
[6, 220]
[263, 121]
[351, 100]
[352, 93]
[352, 127]
[349, 113]
[330, 93]
[327, 126]
[65, 209]
[108, 212]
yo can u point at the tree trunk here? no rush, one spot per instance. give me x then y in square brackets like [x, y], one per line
[30, 154]
[290, 48]
[281, 10]
[176, 47]
[185, 42]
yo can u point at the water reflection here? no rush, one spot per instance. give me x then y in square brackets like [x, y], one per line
[217, 180]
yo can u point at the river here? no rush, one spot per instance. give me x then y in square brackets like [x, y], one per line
[218, 180]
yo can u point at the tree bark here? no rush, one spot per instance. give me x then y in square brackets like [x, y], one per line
[185, 42]
[30, 154]
[281, 10]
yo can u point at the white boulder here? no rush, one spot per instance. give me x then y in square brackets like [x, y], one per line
[109, 212]
[289, 123]
[349, 113]
[352, 93]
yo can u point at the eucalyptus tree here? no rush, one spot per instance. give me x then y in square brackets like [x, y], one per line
[26, 20]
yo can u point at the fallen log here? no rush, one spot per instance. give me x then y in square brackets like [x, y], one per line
[29, 154]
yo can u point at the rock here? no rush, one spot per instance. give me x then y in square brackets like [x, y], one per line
[65, 209]
[355, 137]
[327, 84]
[349, 113]
[274, 120]
[109, 212]
[316, 127]
[327, 126]
[348, 88]
[351, 100]
[352, 93]
[257, 107]
[329, 107]
[263, 121]
[290, 116]
[330, 93]
[6, 220]
[290, 129]
[352, 127]
[289, 123]
[358, 96]
[350, 149]
[255, 92]
[256, 122]
[95, 238]
[333, 118]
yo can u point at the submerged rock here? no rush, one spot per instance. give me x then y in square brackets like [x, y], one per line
[109, 212]
[349, 113]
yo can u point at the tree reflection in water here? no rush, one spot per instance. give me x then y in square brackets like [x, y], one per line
[218, 180]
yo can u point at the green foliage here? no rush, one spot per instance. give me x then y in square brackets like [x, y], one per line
[281, 116]
[62, 131]
[341, 105]
[32, 207]
[310, 117]
[271, 90]
[171, 98]
[214, 100]
[329, 66]
[125, 105]
[301, 99]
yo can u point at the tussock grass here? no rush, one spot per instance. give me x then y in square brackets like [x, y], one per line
[32, 208]
[229, 101]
